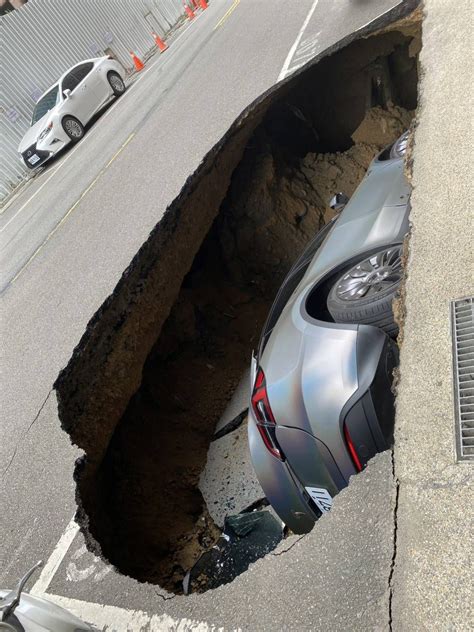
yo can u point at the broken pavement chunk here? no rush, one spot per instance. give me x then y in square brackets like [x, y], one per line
[246, 538]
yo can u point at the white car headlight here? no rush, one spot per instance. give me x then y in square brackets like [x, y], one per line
[45, 131]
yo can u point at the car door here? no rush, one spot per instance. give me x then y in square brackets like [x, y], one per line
[98, 80]
[83, 100]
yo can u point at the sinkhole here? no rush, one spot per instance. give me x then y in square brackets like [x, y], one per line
[161, 358]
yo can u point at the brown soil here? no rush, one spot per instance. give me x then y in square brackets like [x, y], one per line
[273, 209]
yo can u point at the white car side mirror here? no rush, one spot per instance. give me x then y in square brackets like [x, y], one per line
[67, 93]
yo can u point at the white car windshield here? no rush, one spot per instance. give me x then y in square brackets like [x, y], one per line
[45, 104]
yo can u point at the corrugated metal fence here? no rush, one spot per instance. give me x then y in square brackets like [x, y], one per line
[44, 38]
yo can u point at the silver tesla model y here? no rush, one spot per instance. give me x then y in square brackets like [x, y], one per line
[321, 402]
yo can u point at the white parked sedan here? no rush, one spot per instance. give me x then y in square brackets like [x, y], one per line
[62, 112]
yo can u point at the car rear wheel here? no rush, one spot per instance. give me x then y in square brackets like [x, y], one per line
[73, 128]
[116, 83]
[364, 294]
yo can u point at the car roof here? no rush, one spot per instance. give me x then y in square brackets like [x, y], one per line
[56, 83]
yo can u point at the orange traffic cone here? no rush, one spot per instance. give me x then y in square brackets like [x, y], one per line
[189, 11]
[159, 42]
[139, 65]
[203, 4]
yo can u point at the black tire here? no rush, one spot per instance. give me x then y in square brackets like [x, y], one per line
[116, 83]
[374, 308]
[73, 128]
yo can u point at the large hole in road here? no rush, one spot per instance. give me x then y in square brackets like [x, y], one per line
[158, 363]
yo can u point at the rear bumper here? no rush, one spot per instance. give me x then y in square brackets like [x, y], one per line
[312, 467]
[281, 487]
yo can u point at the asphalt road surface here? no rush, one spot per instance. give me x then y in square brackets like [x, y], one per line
[67, 237]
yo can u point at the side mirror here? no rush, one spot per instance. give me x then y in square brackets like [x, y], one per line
[67, 93]
[338, 202]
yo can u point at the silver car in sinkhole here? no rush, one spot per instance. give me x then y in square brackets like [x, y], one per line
[321, 402]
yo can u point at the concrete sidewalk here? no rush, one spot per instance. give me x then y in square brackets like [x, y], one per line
[431, 584]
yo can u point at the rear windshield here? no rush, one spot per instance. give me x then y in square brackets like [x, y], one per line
[45, 104]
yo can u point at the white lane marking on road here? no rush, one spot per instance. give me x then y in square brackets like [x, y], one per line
[115, 619]
[289, 57]
[74, 572]
[304, 54]
[307, 44]
[105, 617]
[55, 558]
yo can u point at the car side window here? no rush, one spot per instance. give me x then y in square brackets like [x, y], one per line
[75, 76]
[70, 82]
[82, 70]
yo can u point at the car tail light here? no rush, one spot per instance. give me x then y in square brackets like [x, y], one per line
[263, 415]
[352, 450]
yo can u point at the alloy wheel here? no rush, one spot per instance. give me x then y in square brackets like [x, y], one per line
[73, 128]
[373, 275]
[116, 83]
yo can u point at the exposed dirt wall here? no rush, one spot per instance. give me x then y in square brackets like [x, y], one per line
[107, 367]
[152, 467]
[274, 206]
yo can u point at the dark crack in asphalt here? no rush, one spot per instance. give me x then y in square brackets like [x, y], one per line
[25, 433]
[394, 553]
[291, 546]
[165, 598]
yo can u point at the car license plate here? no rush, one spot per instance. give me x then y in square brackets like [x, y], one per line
[33, 159]
[321, 497]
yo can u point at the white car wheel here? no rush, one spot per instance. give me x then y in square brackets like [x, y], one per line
[116, 83]
[73, 128]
